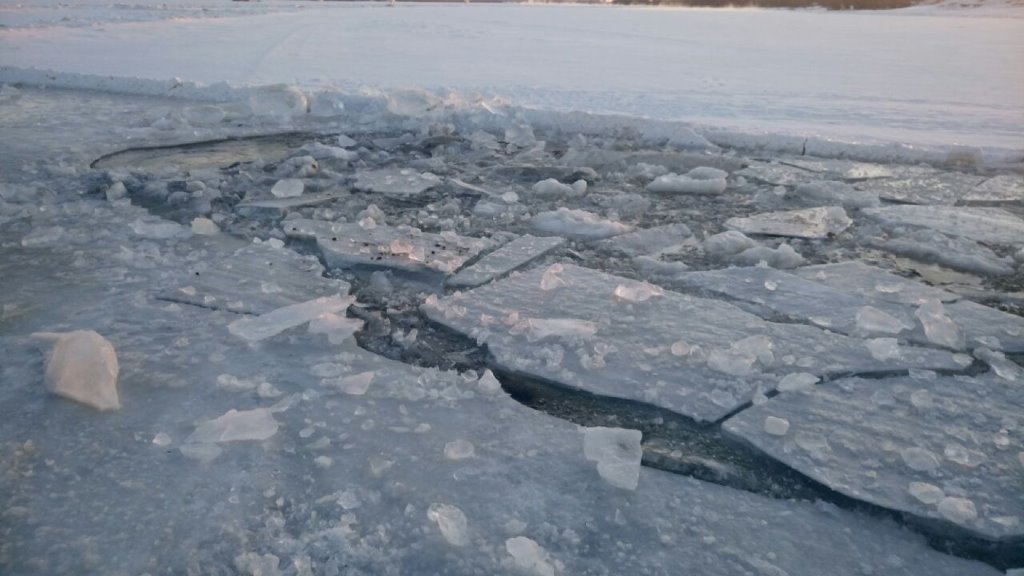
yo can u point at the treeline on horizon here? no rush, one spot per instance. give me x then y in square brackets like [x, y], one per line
[828, 4]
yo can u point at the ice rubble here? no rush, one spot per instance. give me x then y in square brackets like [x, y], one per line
[505, 259]
[939, 447]
[808, 223]
[345, 245]
[82, 365]
[590, 338]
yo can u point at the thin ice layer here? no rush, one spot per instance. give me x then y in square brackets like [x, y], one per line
[509, 257]
[255, 279]
[345, 245]
[944, 448]
[617, 337]
[988, 225]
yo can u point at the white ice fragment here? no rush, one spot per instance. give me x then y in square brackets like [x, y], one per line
[158, 230]
[278, 101]
[731, 361]
[338, 328]
[1002, 366]
[776, 426]
[872, 320]
[258, 328]
[288, 188]
[577, 224]
[552, 188]
[323, 462]
[459, 449]
[162, 439]
[938, 327]
[883, 349]
[116, 191]
[452, 523]
[529, 556]
[926, 493]
[235, 425]
[919, 459]
[204, 226]
[488, 383]
[702, 180]
[617, 452]
[354, 384]
[551, 278]
[783, 258]
[680, 348]
[797, 382]
[345, 141]
[579, 187]
[82, 366]
[637, 291]
[957, 510]
[728, 243]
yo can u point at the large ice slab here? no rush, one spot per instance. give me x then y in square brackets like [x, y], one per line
[256, 328]
[989, 225]
[820, 222]
[842, 309]
[396, 181]
[953, 252]
[946, 448]
[918, 185]
[872, 282]
[1004, 188]
[509, 257]
[345, 245]
[649, 241]
[617, 337]
[255, 279]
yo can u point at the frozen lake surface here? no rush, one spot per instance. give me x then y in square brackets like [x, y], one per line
[342, 328]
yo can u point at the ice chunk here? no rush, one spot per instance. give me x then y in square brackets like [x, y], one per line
[701, 180]
[728, 243]
[797, 382]
[204, 227]
[529, 557]
[489, 383]
[939, 327]
[235, 426]
[288, 188]
[808, 223]
[452, 523]
[1001, 365]
[637, 291]
[835, 193]
[871, 282]
[82, 366]
[552, 188]
[352, 384]
[617, 452]
[988, 225]
[337, 328]
[509, 257]
[266, 325]
[933, 247]
[997, 189]
[883, 348]
[577, 224]
[783, 258]
[162, 439]
[919, 185]
[649, 241]
[776, 426]
[933, 458]
[346, 245]
[278, 101]
[158, 229]
[926, 493]
[872, 320]
[459, 449]
[397, 182]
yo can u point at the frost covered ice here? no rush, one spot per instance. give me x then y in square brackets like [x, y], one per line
[936, 448]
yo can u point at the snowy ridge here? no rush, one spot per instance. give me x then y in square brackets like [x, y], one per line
[365, 106]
